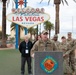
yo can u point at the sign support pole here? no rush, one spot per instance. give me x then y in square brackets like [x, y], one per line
[26, 30]
[16, 35]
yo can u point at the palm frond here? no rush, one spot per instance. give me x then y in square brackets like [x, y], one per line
[48, 25]
[41, 1]
[12, 24]
[13, 28]
[8, 1]
[66, 2]
[22, 28]
[13, 4]
[62, 2]
[74, 0]
[48, 2]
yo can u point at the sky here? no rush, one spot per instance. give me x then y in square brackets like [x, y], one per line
[67, 14]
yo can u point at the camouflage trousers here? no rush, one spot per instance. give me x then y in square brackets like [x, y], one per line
[66, 68]
[67, 74]
[73, 64]
[72, 60]
[74, 73]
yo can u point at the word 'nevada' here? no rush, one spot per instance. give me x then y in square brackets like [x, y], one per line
[27, 18]
[28, 10]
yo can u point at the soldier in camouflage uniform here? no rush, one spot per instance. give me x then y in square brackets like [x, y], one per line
[57, 43]
[72, 42]
[43, 44]
[65, 48]
[73, 56]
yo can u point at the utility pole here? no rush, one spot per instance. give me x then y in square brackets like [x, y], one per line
[72, 24]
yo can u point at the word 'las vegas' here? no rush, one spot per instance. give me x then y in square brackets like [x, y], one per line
[30, 18]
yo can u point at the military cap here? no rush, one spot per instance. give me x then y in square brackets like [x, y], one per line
[44, 32]
[69, 33]
[56, 35]
[63, 37]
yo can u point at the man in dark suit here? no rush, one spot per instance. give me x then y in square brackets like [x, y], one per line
[24, 48]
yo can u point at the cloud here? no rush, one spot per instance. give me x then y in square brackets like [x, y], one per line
[68, 17]
[36, 3]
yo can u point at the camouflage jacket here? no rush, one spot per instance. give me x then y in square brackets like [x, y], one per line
[40, 45]
[65, 48]
[57, 43]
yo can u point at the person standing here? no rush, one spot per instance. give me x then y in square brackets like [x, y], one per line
[72, 42]
[25, 48]
[43, 44]
[65, 48]
[57, 43]
[37, 38]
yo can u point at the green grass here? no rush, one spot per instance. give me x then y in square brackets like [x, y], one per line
[10, 62]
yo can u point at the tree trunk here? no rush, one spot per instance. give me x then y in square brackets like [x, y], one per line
[37, 30]
[4, 25]
[49, 34]
[57, 19]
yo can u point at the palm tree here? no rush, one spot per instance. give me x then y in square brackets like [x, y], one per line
[57, 5]
[57, 9]
[4, 24]
[32, 31]
[48, 26]
[36, 31]
[0, 35]
[19, 28]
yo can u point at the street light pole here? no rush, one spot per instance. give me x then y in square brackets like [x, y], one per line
[72, 24]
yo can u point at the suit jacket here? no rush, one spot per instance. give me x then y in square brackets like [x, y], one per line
[22, 48]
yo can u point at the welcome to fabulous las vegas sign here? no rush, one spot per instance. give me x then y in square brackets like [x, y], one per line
[28, 17]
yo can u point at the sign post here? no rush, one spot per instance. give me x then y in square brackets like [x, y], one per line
[16, 35]
[17, 27]
[26, 30]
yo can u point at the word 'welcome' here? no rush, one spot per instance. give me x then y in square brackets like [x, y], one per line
[28, 10]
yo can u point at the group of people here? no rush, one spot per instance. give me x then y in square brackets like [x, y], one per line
[68, 47]
[42, 43]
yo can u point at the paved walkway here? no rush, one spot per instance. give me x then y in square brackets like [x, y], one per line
[14, 48]
[7, 48]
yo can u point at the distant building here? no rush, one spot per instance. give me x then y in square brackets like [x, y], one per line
[13, 33]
